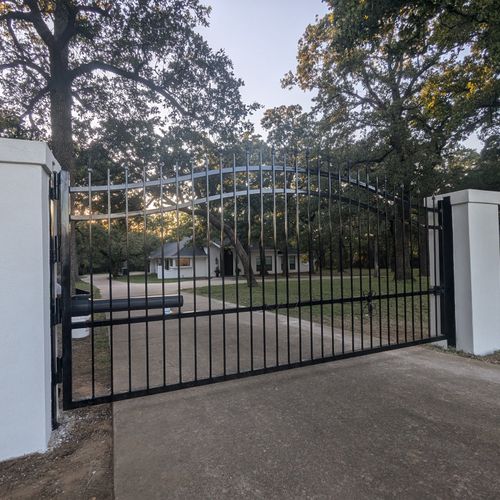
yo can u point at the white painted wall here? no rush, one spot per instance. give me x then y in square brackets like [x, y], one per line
[303, 263]
[215, 260]
[202, 265]
[200, 262]
[25, 388]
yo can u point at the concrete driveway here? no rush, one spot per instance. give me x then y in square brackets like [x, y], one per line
[412, 423]
[171, 351]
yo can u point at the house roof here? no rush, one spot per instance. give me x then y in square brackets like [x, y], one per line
[185, 250]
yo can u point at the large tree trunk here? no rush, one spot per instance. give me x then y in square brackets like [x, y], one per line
[60, 112]
[243, 255]
[60, 115]
[60, 94]
[402, 268]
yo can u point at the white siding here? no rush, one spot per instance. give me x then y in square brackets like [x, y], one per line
[184, 272]
[215, 262]
[304, 264]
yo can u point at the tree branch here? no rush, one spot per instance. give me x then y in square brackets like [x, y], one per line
[16, 42]
[93, 9]
[130, 75]
[26, 64]
[41, 27]
[378, 159]
[16, 16]
[33, 102]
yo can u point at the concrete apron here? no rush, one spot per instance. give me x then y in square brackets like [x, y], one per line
[411, 423]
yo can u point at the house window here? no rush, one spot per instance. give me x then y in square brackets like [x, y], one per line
[167, 264]
[291, 263]
[268, 263]
[183, 262]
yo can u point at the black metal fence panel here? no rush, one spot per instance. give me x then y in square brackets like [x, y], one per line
[202, 271]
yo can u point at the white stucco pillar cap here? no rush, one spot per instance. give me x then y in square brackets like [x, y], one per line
[468, 196]
[19, 151]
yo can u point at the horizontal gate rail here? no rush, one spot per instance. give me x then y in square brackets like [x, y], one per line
[236, 310]
[217, 197]
[236, 376]
[213, 172]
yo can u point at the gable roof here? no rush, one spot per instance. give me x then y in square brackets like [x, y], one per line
[185, 250]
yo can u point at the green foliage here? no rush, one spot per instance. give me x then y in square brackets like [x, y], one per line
[484, 173]
[79, 64]
[288, 128]
[113, 251]
[400, 83]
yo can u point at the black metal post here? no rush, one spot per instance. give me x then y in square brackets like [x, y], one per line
[446, 272]
[66, 291]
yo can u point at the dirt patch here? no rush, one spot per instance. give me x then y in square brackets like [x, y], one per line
[493, 358]
[78, 465]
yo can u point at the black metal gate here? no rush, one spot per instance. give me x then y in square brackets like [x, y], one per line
[326, 264]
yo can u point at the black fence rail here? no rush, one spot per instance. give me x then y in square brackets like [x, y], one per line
[201, 272]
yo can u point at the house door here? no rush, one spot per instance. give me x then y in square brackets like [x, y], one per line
[228, 262]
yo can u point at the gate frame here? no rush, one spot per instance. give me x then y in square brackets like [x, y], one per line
[446, 321]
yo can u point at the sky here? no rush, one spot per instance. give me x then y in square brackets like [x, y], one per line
[260, 37]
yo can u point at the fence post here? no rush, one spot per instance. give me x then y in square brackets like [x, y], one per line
[25, 330]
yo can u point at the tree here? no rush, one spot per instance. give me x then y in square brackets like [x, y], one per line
[371, 91]
[390, 78]
[482, 171]
[81, 61]
[465, 88]
[288, 128]
[109, 252]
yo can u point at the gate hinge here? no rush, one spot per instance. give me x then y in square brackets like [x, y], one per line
[55, 186]
[437, 290]
[56, 312]
[57, 376]
[55, 249]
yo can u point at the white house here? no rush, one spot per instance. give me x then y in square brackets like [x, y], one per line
[185, 260]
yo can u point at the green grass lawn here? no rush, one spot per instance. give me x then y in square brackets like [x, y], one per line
[83, 285]
[384, 314]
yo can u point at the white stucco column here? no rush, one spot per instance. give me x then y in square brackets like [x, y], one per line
[476, 255]
[25, 352]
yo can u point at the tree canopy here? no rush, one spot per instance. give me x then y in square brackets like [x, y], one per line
[68, 65]
[405, 80]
